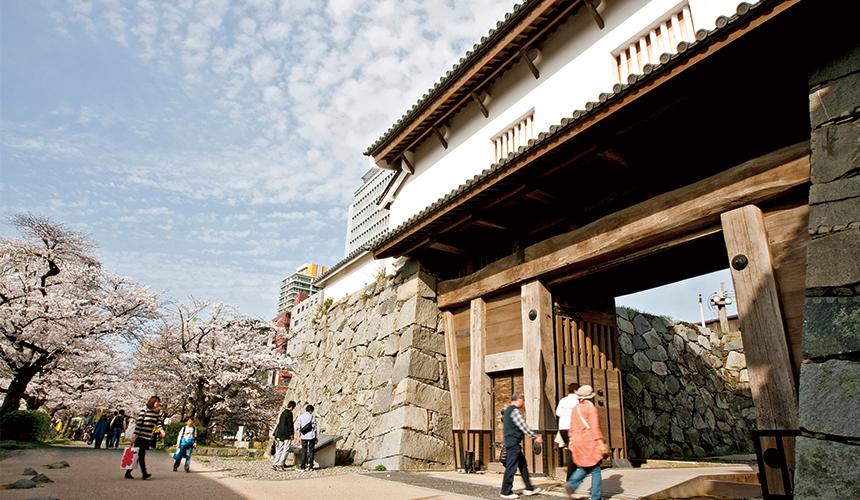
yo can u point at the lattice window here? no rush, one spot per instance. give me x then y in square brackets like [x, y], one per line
[516, 136]
[662, 38]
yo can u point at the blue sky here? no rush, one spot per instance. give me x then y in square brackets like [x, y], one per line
[212, 146]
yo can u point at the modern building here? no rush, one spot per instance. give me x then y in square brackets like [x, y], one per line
[300, 281]
[367, 219]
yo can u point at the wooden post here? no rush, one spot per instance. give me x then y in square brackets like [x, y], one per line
[453, 369]
[539, 362]
[480, 406]
[765, 345]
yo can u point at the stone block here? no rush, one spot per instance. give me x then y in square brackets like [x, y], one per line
[391, 345]
[384, 369]
[423, 339]
[641, 361]
[422, 395]
[826, 469]
[387, 306]
[834, 99]
[834, 260]
[831, 326]
[733, 346]
[704, 342]
[834, 385]
[639, 343]
[624, 325]
[626, 344]
[622, 312]
[835, 214]
[835, 149]
[641, 324]
[659, 368]
[736, 361]
[419, 311]
[633, 383]
[417, 365]
[403, 417]
[420, 285]
[652, 339]
[840, 189]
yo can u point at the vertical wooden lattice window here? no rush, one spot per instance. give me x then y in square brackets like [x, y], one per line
[663, 38]
[516, 136]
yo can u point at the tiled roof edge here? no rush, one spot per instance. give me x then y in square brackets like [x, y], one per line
[519, 10]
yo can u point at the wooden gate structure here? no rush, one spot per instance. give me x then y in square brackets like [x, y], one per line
[655, 181]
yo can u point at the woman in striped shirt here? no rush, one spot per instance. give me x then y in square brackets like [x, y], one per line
[148, 421]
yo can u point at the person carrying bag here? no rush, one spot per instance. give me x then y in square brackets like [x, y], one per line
[186, 441]
[587, 446]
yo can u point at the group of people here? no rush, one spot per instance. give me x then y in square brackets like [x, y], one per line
[147, 427]
[284, 432]
[579, 429]
[111, 427]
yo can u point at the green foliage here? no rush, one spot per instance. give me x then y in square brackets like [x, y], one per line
[25, 425]
[380, 468]
[322, 310]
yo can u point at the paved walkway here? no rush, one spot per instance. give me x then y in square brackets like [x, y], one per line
[95, 474]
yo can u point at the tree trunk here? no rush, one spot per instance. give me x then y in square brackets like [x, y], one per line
[17, 389]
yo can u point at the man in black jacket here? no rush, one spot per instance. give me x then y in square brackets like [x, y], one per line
[283, 436]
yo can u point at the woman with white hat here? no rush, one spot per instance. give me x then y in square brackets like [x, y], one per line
[586, 444]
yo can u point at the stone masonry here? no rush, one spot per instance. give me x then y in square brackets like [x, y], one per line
[828, 453]
[374, 369]
[686, 390]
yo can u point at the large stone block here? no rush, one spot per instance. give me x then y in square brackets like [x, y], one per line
[834, 385]
[421, 285]
[423, 339]
[403, 417]
[840, 189]
[417, 365]
[836, 215]
[831, 326]
[641, 324]
[835, 149]
[736, 361]
[382, 373]
[826, 470]
[422, 395]
[834, 99]
[418, 311]
[625, 326]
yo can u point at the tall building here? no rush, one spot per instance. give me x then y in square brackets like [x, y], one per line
[367, 219]
[296, 283]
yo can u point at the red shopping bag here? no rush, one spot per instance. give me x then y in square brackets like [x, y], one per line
[129, 458]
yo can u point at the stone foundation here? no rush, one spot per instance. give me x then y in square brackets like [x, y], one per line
[686, 390]
[374, 369]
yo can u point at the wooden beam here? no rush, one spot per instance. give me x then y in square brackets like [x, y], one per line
[650, 223]
[440, 136]
[453, 369]
[757, 297]
[447, 248]
[480, 407]
[489, 225]
[409, 168]
[539, 362]
[504, 361]
[544, 197]
[531, 63]
[594, 13]
[483, 108]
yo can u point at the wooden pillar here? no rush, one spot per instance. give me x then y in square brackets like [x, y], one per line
[765, 346]
[539, 357]
[453, 369]
[480, 406]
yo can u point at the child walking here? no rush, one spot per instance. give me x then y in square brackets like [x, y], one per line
[185, 442]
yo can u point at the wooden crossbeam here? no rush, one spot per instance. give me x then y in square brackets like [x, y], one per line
[439, 136]
[442, 247]
[594, 13]
[408, 166]
[489, 225]
[531, 63]
[544, 197]
[483, 108]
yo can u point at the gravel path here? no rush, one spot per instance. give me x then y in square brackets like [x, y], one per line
[261, 469]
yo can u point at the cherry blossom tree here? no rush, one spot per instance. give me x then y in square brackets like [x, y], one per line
[59, 308]
[208, 362]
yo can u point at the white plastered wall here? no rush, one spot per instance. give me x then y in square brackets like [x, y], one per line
[576, 66]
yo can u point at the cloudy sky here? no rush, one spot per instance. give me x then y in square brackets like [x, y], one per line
[212, 146]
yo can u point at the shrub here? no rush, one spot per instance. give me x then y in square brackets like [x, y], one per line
[25, 425]
[380, 468]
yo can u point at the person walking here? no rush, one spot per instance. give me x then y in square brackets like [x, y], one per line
[283, 437]
[147, 421]
[586, 444]
[515, 429]
[102, 427]
[308, 434]
[562, 411]
[186, 441]
[117, 426]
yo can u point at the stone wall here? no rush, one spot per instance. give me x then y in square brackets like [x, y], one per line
[686, 390]
[828, 455]
[374, 369]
